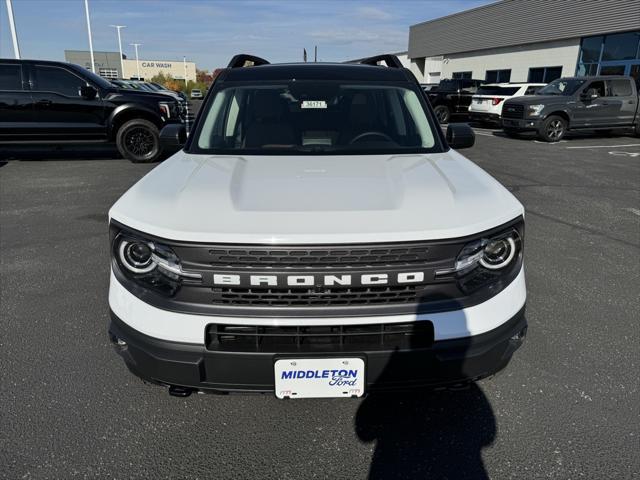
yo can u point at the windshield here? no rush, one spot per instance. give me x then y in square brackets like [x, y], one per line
[315, 117]
[561, 86]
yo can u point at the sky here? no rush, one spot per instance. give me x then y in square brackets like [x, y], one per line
[211, 32]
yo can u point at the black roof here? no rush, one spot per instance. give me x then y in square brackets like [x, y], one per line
[317, 71]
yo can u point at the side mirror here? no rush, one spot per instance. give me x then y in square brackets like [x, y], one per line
[460, 135]
[173, 136]
[87, 92]
[589, 95]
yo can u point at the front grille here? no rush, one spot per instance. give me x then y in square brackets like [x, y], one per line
[186, 115]
[296, 281]
[512, 110]
[311, 297]
[285, 258]
[325, 338]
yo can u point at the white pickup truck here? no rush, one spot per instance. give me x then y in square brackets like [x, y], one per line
[318, 236]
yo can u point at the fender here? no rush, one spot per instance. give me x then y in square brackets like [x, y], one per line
[128, 107]
[559, 110]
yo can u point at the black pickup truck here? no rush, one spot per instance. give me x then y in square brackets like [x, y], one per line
[575, 103]
[55, 102]
[452, 97]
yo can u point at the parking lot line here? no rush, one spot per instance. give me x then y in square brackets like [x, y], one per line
[489, 130]
[484, 134]
[608, 146]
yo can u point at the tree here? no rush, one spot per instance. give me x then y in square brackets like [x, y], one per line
[178, 85]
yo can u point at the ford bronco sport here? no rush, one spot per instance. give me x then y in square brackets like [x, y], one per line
[317, 237]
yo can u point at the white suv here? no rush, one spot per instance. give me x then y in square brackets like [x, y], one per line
[486, 105]
[317, 237]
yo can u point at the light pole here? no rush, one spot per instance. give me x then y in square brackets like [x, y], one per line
[184, 61]
[86, 9]
[119, 27]
[136, 45]
[12, 26]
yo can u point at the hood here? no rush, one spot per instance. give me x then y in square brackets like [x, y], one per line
[541, 99]
[315, 199]
[139, 93]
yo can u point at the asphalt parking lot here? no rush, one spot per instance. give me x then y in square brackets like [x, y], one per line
[566, 407]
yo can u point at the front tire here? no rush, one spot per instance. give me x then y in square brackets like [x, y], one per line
[443, 114]
[138, 140]
[553, 129]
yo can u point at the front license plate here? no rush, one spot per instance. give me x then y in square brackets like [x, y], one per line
[319, 377]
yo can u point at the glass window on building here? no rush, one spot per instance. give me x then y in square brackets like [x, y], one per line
[109, 73]
[621, 46]
[615, 54]
[461, 74]
[590, 49]
[587, 69]
[544, 74]
[612, 69]
[498, 76]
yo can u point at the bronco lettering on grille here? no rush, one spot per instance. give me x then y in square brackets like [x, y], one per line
[402, 278]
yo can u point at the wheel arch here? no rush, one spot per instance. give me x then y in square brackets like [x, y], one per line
[124, 113]
[560, 113]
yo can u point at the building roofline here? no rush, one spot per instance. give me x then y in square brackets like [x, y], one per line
[464, 12]
[521, 22]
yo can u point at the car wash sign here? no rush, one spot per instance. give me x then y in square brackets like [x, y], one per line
[166, 65]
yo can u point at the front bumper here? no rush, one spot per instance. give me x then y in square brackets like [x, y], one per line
[193, 367]
[484, 117]
[520, 124]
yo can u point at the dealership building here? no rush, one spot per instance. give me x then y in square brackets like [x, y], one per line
[108, 65]
[529, 41]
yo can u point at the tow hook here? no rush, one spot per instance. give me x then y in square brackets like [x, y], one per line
[176, 391]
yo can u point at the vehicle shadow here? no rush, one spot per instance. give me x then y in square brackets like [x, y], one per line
[53, 152]
[570, 136]
[422, 433]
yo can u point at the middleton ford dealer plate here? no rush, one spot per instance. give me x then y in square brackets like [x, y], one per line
[319, 377]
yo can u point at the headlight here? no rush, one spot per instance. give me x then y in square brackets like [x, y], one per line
[493, 253]
[136, 256]
[469, 256]
[165, 109]
[150, 264]
[498, 253]
[534, 110]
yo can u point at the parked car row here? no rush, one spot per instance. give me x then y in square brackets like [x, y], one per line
[572, 103]
[54, 102]
[575, 103]
[148, 87]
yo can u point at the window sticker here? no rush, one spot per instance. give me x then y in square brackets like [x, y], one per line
[313, 104]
